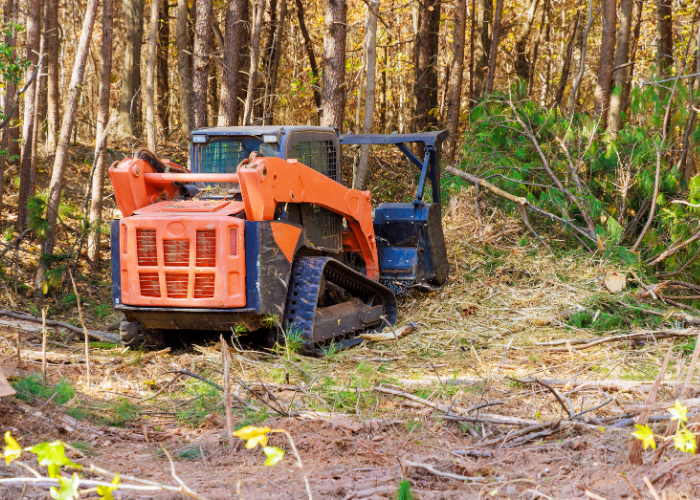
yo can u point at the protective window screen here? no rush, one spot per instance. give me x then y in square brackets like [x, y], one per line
[221, 157]
[319, 155]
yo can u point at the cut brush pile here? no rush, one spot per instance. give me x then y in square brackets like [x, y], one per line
[524, 376]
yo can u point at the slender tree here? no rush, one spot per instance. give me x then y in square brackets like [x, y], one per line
[254, 62]
[52, 65]
[200, 73]
[98, 178]
[566, 65]
[622, 50]
[129, 99]
[151, 77]
[607, 61]
[333, 92]
[26, 176]
[493, 54]
[371, 60]
[163, 88]
[454, 96]
[69, 114]
[664, 36]
[184, 65]
[308, 45]
[271, 84]
[523, 66]
[481, 47]
[231, 85]
[425, 96]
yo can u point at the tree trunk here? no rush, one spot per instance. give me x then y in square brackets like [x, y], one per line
[200, 73]
[163, 94]
[275, 63]
[231, 87]
[542, 39]
[129, 98]
[582, 62]
[310, 54]
[184, 66]
[664, 37]
[10, 93]
[456, 75]
[69, 114]
[607, 62]
[25, 172]
[150, 90]
[493, 55]
[98, 179]
[482, 48]
[522, 65]
[36, 131]
[621, 58]
[371, 59]
[566, 66]
[627, 86]
[426, 87]
[269, 29]
[52, 65]
[333, 91]
[254, 62]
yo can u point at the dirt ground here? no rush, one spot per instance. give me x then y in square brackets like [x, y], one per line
[366, 418]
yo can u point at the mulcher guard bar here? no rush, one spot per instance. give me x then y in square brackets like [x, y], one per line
[341, 323]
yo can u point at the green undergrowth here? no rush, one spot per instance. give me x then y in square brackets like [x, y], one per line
[604, 313]
[115, 413]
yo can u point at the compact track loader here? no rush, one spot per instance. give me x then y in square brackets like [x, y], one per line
[262, 234]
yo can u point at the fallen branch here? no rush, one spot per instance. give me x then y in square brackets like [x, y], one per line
[651, 407]
[95, 334]
[407, 329]
[449, 475]
[673, 249]
[633, 336]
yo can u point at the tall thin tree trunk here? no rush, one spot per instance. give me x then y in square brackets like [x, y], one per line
[275, 62]
[582, 63]
[231, 86]
[522, 65]
[13, 127]
[371, 59]
[333, 91]
[184, 65]
[129, 99]
[254, 62]
[621, 58]
[10, 92]
[454, 96]
[200, 73]
[482, 48]
[37, 114]
[163, 93]
[25, 172]
[269, 29]
[664, 37]
[151, 77]
[566, 66]
[98, 179]
[308, 45]
[52, 65]
[607, 61]
[627, 86]
[493, 55]
[426, 87]
[69, 114]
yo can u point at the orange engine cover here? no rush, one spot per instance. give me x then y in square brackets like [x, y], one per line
[183, 254]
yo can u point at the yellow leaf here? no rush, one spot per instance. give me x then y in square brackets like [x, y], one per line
[645, 434]
[13, 450]
[253, 435]
[685, 441]
[274, 455]
[679, 412]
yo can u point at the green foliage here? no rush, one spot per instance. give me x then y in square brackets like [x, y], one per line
[36, 211]
[33, 386]
[404, 492]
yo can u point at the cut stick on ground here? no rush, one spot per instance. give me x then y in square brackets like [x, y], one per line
[662, 406]
[449, 475]
[95, 334]
[407, 329]
[578, 345]
[85, 330]
[611, 385]
[43, 343]
[225, 360]
[635, 447]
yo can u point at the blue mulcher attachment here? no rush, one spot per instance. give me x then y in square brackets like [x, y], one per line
[410, 240]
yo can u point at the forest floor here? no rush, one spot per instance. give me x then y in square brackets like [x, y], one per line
[453, 407]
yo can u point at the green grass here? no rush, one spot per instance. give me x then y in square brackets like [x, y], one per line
[206, 400]
[190, 453]
[33, 387]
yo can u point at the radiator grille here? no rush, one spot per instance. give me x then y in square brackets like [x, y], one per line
[150, 287]
[146, 248]
[176, 253]
[203, 286]
[319, 155]
[206, 248]
[176, 285]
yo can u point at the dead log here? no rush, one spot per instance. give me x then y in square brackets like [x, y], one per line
[95, 334]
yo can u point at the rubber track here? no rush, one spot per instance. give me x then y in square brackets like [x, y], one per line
[304, 287]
